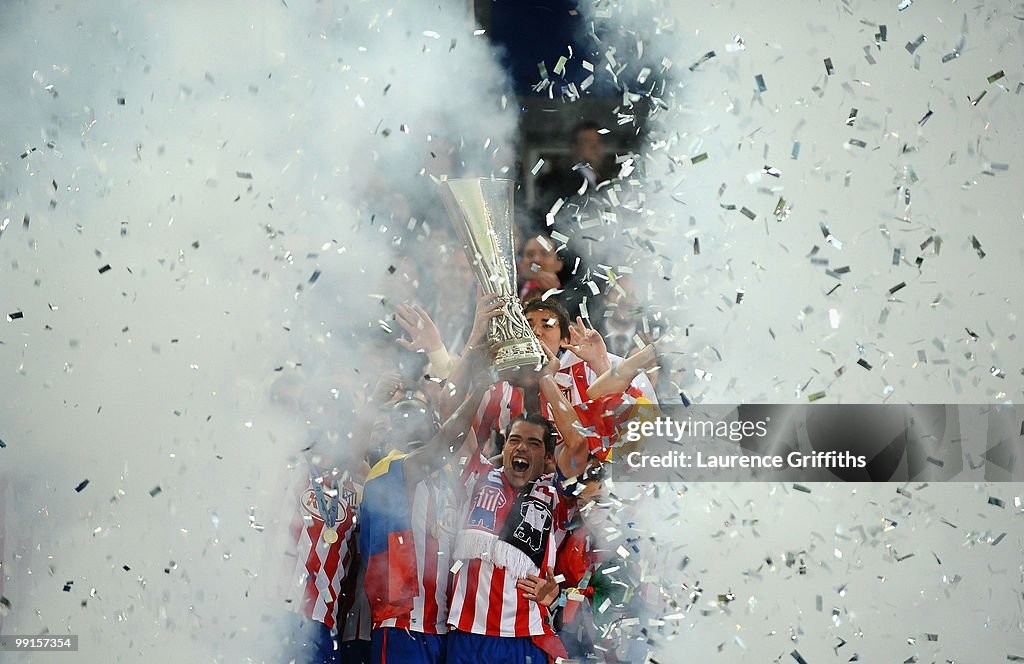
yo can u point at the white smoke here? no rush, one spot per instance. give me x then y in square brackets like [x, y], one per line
[253, 174]
[781, 307]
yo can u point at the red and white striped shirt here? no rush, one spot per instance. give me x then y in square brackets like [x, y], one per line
[432, 533]
[581, 376]
[502, 403]
[322, 566]
[485, 599]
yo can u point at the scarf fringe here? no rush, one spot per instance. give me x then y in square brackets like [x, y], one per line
[488, 547]
[515, 562]
[473, 544]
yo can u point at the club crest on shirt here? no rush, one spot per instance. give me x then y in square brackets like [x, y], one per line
[488, 501]
[346, 505]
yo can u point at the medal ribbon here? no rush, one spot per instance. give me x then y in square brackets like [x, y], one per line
[330, 515]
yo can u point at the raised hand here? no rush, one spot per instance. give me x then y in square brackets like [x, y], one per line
[553, 364]
[588, 344]
[488, 307]
[388, 385]
[423, 334]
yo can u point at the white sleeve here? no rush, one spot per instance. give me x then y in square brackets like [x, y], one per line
[641, 382]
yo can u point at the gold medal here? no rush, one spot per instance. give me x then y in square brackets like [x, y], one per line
[330, 535]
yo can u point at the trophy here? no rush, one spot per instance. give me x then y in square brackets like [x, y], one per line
[481, 209]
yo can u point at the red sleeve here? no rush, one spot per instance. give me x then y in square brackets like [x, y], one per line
[573, 560]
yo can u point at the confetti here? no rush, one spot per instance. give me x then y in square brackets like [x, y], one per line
[13, 316]
[704, 58]
[829, 69]
[801, 487]
[995, 501]
[976, 244]
[243, 175]
[996, 76]
[761, 87]
[105, 268]
[864, 363]
[913, 46]
[81, 485]
[155, 491]
[897, 287]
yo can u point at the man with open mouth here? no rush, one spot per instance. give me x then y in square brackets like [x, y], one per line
[515, 519]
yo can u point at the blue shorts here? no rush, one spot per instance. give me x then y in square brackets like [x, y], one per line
[392, 645]
[354, 652]
[468, 648]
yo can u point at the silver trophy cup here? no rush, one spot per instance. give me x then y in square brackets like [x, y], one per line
[481, 210]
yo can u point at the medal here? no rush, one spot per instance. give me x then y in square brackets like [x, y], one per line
[328, 512]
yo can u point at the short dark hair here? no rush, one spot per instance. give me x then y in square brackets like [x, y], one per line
[554, 307]
[539, 420]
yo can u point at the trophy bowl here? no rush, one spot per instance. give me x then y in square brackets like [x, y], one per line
[482, 212]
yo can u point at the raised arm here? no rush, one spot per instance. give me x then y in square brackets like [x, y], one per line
[617, 379]
[573, 452]
[357, 445]
[488, 307]
[588, 345]
[455, 438]
[423, 336]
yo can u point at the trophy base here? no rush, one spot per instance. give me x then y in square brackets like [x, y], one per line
[518, 354]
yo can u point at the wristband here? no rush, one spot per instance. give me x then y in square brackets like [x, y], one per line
[440, 363]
